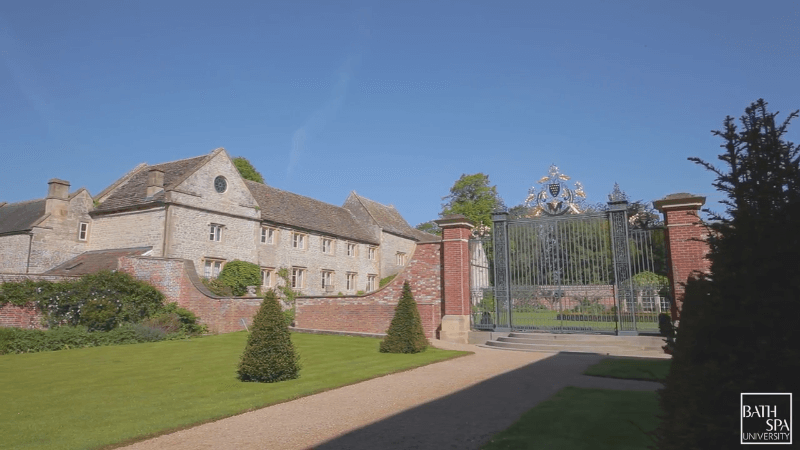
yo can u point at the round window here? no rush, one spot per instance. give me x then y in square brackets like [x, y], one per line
[220, 184]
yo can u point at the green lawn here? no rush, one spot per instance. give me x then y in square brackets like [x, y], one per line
[590, 419]
[634, 369]
[578, 418]
[93, 397]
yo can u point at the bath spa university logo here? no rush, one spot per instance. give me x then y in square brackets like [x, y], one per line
[766, 418]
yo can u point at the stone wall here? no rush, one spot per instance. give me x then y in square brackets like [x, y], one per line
[390, 246]
[129, 229]
[55, 240]
[14, 253]
[372, 313]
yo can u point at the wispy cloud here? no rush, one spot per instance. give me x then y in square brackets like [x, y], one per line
[316, 123]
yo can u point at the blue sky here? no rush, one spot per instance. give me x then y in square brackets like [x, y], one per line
[394, 99]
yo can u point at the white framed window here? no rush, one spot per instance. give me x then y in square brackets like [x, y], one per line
[267, 235]
[327, 279]
[298, 241]
[371, 252]
[298, 277]
[400, 259]
[266, 277]
[212, 267]
[215, 232]
[351, 249]
[371, 282]
[327, 246]
[83, 231]
[351, 281]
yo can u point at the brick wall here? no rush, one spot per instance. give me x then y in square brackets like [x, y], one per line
[686, 246]
[373, 313]
[178, 280]
[23, 316]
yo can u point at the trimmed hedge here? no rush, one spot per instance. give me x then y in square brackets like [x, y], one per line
[405, 334]
[20, 340]
[269, 355]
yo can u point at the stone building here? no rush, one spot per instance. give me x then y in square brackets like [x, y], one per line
[201, 210]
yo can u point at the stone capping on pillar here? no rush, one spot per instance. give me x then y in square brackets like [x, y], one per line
[686, 246]
[456, 231]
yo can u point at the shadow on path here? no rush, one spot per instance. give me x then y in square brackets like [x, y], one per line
[469, 418]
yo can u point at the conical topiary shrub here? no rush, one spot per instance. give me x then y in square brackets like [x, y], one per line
[269, 355]
[405, 334]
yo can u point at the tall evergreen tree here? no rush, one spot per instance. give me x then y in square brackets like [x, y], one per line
[269, 355]
[405, 334]
[738, 329]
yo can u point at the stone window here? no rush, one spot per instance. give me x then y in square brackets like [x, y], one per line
[327, 246]
[371, 252]
[212, 267]
[215, 232]
[400, 259]
[327, 280]
[298, 277]
[351, 281]
[298, 241]
[266, 277]
[371, 282]
[267, 235]
[351, 249]
[83, 231]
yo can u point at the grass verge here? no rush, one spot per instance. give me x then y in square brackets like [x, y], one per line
[95, 397]
[633, 369]
[577, 418]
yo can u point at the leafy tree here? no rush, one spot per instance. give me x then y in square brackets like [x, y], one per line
[473, 197]
[269, 355]
[429, 227]
[738, 330]
[246, 170]
[405, 334]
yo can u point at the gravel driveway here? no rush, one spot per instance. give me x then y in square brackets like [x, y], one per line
[456, 404]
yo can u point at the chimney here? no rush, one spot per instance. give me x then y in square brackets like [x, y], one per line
[56, 202]
[155, 182]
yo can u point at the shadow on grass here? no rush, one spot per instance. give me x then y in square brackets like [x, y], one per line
[467, 419]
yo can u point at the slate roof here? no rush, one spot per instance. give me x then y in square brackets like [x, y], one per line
[132, 193]
[95, 261]
[388, 218]
[17, 217]
[287, 208]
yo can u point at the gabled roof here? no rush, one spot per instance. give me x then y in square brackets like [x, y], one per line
[287, 208]
[388, 218]
[95, 261]
[22, 216]
[133, 191]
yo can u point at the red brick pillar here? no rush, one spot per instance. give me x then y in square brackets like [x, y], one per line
[456, 231]
[685, 239]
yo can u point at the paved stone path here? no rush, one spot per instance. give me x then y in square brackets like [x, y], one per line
[456, 404]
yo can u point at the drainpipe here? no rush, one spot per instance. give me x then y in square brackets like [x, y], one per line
[30, 244]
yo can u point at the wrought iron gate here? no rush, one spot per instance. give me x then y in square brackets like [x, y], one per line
[568, 273]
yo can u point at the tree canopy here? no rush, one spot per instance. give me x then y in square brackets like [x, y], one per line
[737, 323]
[246, 170]
[473, 197]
